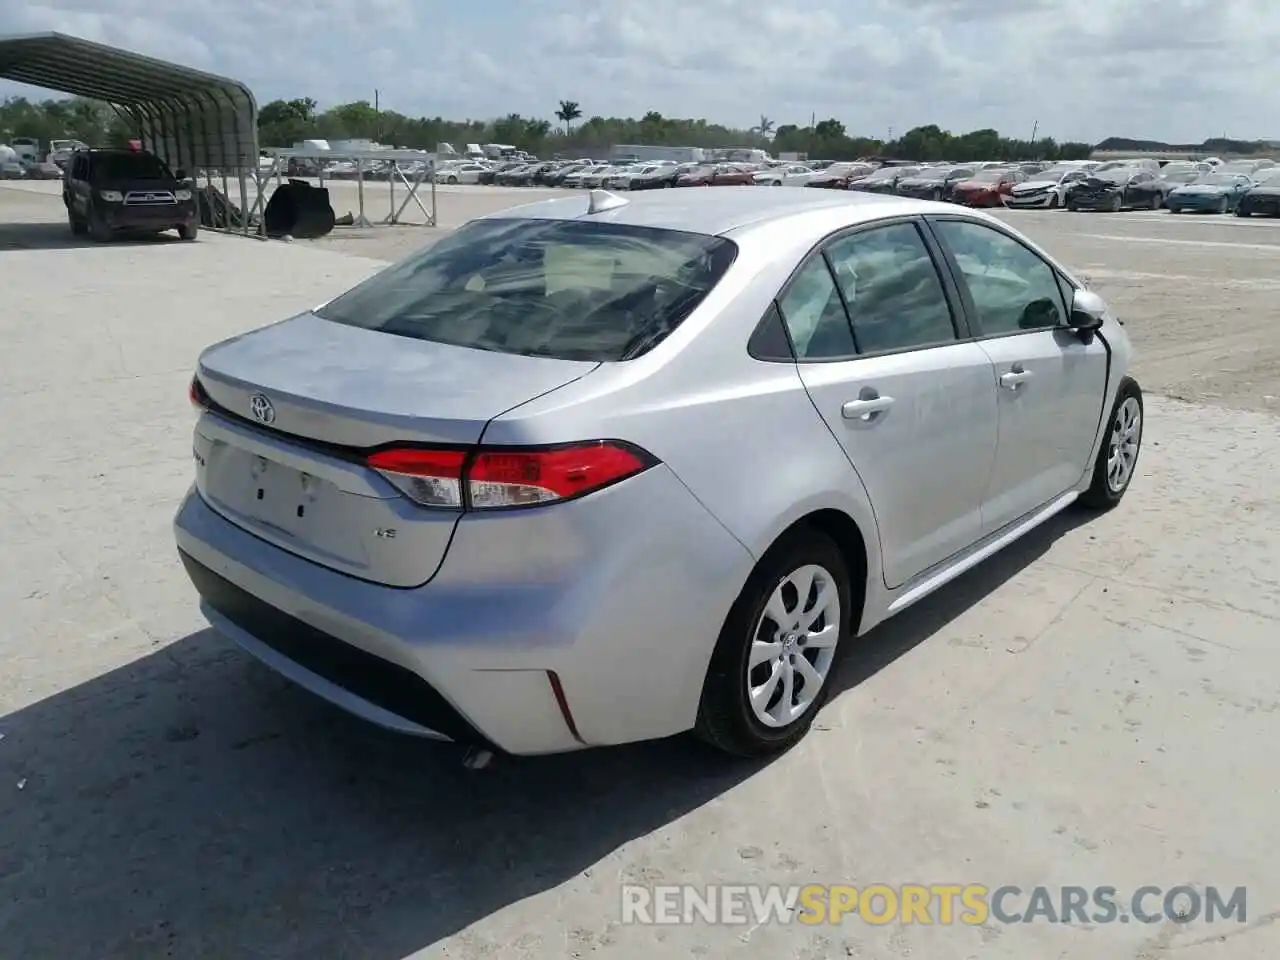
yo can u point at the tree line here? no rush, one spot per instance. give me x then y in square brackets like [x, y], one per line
[281, 123]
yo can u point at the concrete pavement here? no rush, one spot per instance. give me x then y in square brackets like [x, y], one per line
[1097, 706]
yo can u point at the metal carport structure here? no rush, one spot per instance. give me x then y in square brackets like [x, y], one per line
[195, 121]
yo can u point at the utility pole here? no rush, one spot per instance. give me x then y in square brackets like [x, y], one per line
[377, 116]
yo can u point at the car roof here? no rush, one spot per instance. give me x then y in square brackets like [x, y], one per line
[719, 210]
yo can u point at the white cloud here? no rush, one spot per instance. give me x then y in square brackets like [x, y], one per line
[1082, 69]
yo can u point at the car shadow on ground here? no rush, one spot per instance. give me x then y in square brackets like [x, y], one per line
[899, 635]
[192, 803]
[58, 236]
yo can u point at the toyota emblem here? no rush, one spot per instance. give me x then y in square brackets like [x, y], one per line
[261, 408]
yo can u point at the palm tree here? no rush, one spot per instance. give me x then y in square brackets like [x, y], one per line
[764, 128]
[569, 111]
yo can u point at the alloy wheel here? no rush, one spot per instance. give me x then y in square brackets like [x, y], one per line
[793, 646]
[1122, 451]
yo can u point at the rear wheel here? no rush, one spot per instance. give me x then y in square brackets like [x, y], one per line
[78, 227]
[453, 180]
[770, 672]
[1224, 205]
[1116, 204]
[1118, 455]
[188, 231]
[1157, 202]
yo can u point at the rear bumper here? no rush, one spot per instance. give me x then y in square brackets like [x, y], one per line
[583, 627]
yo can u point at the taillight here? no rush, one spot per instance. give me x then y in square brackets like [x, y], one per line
[499, 477]
[432, 478]
[196, 394]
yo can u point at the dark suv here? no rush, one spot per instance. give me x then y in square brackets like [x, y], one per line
[106, 191]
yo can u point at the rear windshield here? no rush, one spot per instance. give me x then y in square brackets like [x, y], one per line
[129, 166]
[546, 288]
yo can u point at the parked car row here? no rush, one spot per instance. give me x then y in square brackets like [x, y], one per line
[1239, 186]
[16, 166]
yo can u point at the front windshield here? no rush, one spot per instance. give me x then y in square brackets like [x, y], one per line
[129, 166]
[990, 176]
[1181, 176]
[1116, 174]
[884, 173]
[1219, 179]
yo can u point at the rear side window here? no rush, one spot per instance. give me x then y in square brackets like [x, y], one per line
[568, 289]
[815, 317]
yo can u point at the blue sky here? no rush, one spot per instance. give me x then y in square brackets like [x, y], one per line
[1082, 69]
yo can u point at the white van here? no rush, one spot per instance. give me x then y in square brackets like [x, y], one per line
[27, 148]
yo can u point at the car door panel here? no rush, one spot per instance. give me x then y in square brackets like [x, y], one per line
[926, 456]
[912, 405]
[1050, 401]
[1050, 383]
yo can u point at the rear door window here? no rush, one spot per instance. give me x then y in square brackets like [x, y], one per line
[892, 288]
[568, 289]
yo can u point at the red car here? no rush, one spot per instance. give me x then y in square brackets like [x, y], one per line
[987, 188]
[697, 177]
[838, 176]
[732, 175]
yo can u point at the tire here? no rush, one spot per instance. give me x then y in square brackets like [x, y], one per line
[453, 181]
[726, 718]
[188, 232]
[98, 229]
[78, 227]
[1224, 205]
[1054, 202]
[1072, 208]
[1157, 202]
[1241, 210]
[937, 196]
[1123, 434]
[1116, 204]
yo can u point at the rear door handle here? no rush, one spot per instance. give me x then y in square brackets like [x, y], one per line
[866, 408]
[1015, 378]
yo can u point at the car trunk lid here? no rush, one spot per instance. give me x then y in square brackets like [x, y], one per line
[294, 404]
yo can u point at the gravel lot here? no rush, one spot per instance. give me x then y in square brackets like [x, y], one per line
[1095, 707]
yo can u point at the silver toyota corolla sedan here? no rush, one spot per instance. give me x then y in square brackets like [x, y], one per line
[596, 470]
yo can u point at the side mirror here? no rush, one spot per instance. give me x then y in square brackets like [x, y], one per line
[1088, 311]
[180, 175]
